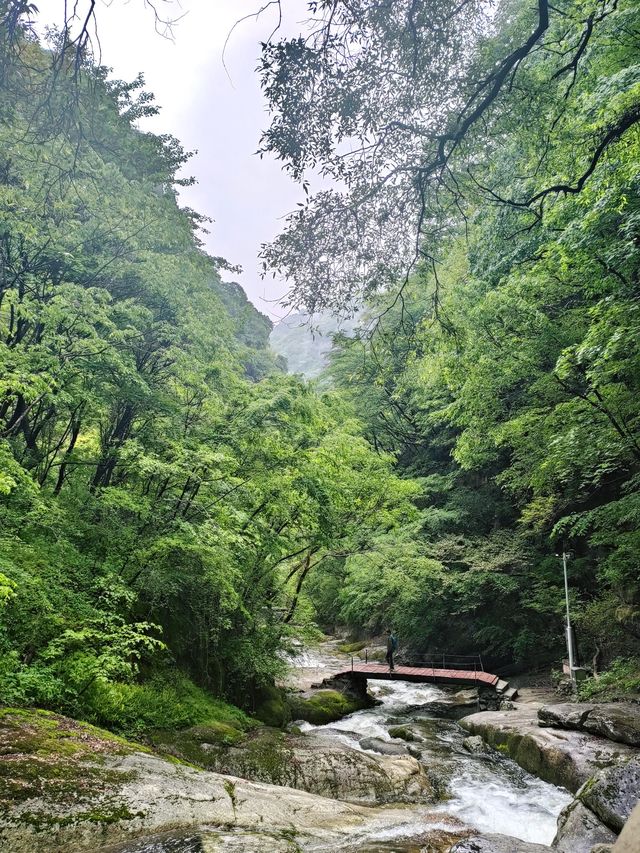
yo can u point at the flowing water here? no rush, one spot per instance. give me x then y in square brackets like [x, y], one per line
[489, 793]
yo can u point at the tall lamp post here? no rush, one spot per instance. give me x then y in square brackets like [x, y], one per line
[569, 630]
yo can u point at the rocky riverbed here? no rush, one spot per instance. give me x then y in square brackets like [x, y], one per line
[401, 776]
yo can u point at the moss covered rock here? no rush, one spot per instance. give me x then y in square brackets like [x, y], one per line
[352, 648]
[272, 708]
[67, 786]
[39, 756]
[324, 706]
[403, 733]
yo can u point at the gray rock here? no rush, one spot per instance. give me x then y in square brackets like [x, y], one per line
[628, 841]
[613, 793]
[619, 721]
[497, 844]
[602, 848]
[564, 715]
[209, 842]
[475, 745]
[145, 795]
[384, 747]
[616, 721]
[567, 758]
[317, 764]
[579, 830]
[246, 842]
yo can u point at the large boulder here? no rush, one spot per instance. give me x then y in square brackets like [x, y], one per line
[310, 763]
[497, 844]
[616, 721]
[566, 758]
[65, 786]
[320, 707]
[613, 793]
[564, 715]
[579, 830]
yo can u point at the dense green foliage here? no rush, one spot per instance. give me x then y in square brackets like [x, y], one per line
[505, 378]
[164, 489]
[171, 503]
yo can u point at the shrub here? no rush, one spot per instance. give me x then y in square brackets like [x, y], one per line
[620, 681]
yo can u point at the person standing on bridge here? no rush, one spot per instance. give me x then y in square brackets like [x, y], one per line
[392, 645]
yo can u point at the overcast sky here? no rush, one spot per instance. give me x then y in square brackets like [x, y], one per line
[218, 114]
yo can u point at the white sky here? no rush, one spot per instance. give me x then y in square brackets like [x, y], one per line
[206, 110]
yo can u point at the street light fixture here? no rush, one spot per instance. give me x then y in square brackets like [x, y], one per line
[571, 649]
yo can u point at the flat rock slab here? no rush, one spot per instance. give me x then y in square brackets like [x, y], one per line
[497, 844]
[616, 721]
[562, 757]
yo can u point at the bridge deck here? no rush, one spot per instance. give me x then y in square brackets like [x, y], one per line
[418, 674]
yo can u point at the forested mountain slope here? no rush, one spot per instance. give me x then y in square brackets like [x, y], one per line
[172, 504]
[164, 488]
[491, 217]
[305, 342]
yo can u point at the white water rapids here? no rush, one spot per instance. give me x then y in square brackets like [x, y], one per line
[492, 794]
[489, 793]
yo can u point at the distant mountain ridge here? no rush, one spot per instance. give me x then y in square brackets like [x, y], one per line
[306, 342]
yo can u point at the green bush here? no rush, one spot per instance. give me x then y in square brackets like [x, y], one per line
[272, 708]
[620, 681]
[169, 703]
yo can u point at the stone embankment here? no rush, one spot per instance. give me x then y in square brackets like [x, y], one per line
[560, 756]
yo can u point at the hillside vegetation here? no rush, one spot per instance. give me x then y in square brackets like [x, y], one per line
[174, 508]
[164, 488]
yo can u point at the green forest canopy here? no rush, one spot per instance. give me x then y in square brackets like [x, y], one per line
[173, 506]
[488, 209]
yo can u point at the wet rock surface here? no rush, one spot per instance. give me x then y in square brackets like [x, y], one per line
[455, 705]
[209, 842]
[579, 830]
[616, 721]
[562, 757]
[384, 747]
[475, 745]
[497, 844]
[612, 794]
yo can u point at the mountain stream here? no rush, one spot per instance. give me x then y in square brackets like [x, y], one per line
[486, 792]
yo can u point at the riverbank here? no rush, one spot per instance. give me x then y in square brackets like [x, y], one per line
[398, 775]
[66, 786]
